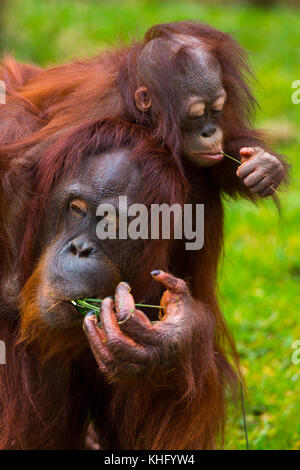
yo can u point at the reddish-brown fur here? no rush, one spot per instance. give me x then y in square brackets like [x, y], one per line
[197, 387]
[44, 400]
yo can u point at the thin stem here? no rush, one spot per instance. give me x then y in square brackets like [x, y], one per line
[275, 190]
[151, 306]
[101, 300]
[231, 158]
[84, 304]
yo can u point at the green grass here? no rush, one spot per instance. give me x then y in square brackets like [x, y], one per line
[259, 280]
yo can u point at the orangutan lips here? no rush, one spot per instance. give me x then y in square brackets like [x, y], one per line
[212, 156]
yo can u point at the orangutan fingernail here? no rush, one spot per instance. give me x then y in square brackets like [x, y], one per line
[156, 272]
[90, 313]
[126, 284]
[91, 316]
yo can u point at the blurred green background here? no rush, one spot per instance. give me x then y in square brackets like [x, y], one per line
[259, 278]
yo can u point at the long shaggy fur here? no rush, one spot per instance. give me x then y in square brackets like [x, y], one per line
[53, 119]
[199, 384]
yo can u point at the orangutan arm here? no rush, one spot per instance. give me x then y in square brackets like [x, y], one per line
[168, 378]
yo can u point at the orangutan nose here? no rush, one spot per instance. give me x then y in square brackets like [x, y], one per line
[208, 131]
[81, 247]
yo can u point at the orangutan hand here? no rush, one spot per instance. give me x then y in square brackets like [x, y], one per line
[260, 170]
[128, 345]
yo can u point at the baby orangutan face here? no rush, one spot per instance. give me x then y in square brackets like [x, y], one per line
[203, 99]
[197, 93]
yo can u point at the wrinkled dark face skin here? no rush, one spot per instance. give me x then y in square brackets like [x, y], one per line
[200, 108]
[199, 97]
[76, 263]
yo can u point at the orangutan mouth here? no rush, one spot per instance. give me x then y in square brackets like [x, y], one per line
[211, 156]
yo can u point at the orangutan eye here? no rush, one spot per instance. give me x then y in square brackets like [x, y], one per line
[218, 105]
[216, 111]
[78, 208]
[196, 110]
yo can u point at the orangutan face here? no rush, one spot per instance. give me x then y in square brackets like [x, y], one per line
[197, 93]
[75, 262]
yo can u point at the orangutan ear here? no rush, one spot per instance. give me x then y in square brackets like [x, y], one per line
[142, 98]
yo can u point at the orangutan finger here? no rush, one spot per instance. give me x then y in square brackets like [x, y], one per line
[247, 152]
[173, 284]
[120, 345]
[262, 185]
[246, 168]
[97, 341]
[125, 310]
[124, 302]
[266, 192]
[254, 178]
[141, 330]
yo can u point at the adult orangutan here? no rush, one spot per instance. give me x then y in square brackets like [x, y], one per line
[158, 386]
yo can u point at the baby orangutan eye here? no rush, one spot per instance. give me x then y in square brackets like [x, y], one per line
[216, 111]
[78, 208]
[196, 110]
[218, 104]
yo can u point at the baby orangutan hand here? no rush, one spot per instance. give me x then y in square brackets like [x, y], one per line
[260, 171]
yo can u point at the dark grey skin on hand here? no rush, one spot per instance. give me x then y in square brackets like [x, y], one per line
[128, 344]
[260, 171]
